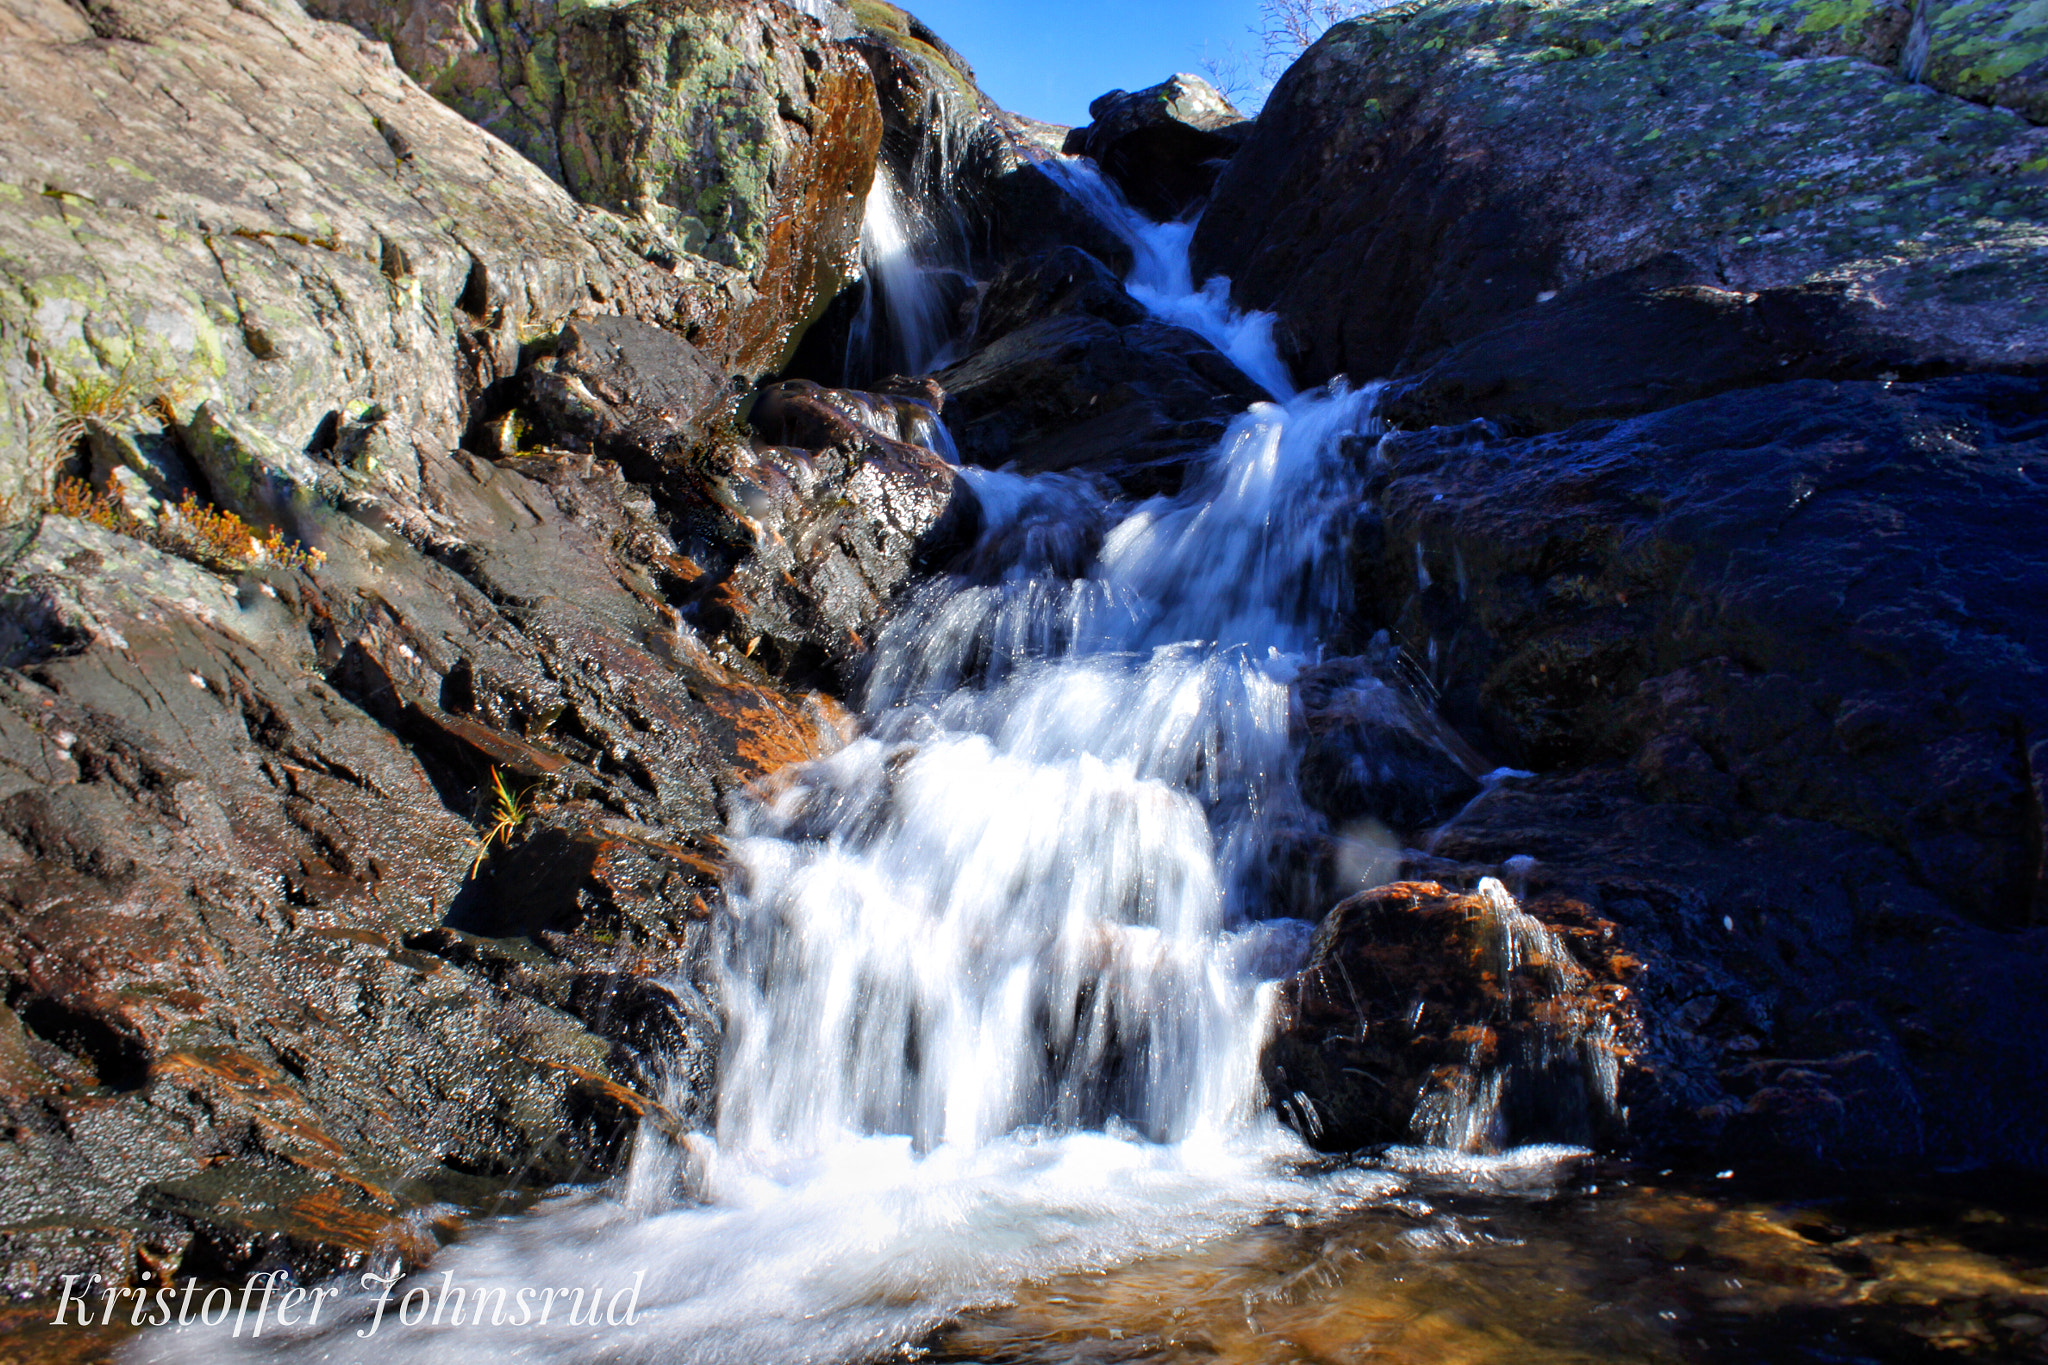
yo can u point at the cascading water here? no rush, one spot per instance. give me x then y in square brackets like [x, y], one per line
[998, 977]
[905, 323]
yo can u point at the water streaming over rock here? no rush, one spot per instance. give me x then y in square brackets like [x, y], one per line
[906, 322]
[999, 969]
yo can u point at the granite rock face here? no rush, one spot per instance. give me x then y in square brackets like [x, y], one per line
[735, 134]
[1496, 188]
[314, 233]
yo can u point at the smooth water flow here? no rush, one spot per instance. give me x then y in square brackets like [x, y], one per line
[1162, 279]
[904, 325]
[999, 970]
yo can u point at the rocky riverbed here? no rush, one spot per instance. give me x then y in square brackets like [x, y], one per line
[474, 477]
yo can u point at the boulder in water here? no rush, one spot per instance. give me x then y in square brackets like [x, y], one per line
[805, 531]
[1071, 372]
[1163, 146]
[1457, 1019]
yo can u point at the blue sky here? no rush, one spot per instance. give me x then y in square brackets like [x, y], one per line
[1048, 58]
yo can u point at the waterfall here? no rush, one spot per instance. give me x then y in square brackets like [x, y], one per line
[905, 324]
[1161, 278]
[998, 971]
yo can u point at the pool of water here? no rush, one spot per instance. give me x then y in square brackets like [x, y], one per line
[1614, 1264]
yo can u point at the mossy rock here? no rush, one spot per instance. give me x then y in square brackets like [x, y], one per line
[1507, 154]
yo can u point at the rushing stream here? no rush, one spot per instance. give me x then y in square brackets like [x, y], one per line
[999, 969]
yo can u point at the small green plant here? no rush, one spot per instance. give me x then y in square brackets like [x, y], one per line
[120, 399]
[509, 810]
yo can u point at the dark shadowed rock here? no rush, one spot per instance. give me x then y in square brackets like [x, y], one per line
[1639, 340]
[1372, 748]
[1164, 145]
[1032, 215]
[1070, 373]
[1777, 657]
[1457, 1019]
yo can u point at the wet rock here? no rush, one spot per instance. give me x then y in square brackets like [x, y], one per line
[1783, 687]
[1066, 279]
[1804, 1001]
[235, 814]
[1373, 749]
[1071, 373]
[1033, 215]
[1163, 146]
[1828, 219]
[1424, 1014]
[813, 528]
[623, 389]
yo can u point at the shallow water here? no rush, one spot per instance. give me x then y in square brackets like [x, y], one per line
[1533, 1263]
[1617, 1265]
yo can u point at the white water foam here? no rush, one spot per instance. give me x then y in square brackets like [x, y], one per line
[996, 984]
[1161, 277]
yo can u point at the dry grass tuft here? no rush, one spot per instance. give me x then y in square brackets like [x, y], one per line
[509, 810]
[193, 530]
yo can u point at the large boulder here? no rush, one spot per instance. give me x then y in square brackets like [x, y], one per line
[736, 133]
[809, 526]
[1163, 146]
[1574, 193]
[1992, 51]
[320, 233]
[1778, 662]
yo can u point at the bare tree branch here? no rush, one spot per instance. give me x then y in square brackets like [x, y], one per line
[1287, 27]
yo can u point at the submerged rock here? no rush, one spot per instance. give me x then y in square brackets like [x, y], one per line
[1163, 146]
[1486, 177]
